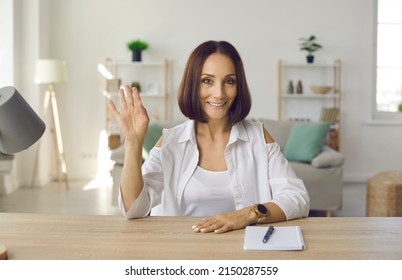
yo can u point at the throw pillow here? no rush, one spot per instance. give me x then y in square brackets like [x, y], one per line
[153, 134]
[328, 158]
[305, 141]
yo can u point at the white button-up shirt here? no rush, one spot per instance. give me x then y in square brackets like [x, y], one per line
[258, 172]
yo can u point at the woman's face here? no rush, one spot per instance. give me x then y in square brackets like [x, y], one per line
[218, 86]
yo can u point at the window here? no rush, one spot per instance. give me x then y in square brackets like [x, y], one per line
[389, 57]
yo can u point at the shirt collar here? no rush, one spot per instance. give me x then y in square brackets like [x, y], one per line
[188, 132]
[238, 132]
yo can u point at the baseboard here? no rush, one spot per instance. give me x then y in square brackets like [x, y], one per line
[7, 184]
[356, 178]
[39, 181]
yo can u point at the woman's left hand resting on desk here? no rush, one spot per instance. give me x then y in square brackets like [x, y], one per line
[217, 164]
[239, 219]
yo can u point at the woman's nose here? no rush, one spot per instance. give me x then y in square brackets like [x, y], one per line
[219, 90]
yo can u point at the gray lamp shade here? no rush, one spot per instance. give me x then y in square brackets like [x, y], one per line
[20, 126]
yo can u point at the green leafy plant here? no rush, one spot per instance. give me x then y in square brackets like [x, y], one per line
[309, 44]
[137, 45]
[400, 107]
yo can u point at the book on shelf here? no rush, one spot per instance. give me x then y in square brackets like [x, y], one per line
[329, 115]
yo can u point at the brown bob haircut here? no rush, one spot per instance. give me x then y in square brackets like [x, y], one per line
[189, 90]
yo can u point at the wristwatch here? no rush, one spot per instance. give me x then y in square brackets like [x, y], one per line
[261, 210]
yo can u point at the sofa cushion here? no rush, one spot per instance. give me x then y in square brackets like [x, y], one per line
[324, 185]
[305, 141]
[153, 134]
[328, 158]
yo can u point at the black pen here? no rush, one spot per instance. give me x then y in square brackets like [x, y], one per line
[268, 234]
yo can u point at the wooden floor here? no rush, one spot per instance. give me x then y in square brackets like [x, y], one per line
[94, 198]
[83, 197]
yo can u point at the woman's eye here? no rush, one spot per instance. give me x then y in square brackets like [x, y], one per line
[207, 81]
[231, 81]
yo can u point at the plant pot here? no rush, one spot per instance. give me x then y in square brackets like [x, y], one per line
[136, 55]
[310, 58]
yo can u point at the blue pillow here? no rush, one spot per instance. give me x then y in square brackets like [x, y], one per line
[305, 141]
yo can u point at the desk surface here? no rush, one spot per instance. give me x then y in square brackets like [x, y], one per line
[47, 236]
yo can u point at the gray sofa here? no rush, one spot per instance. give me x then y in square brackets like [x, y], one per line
[322, 176]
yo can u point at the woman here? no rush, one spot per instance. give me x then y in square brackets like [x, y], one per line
[216, 164]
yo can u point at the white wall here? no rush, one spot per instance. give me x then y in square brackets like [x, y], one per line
[86, 32]
[6, 37]
[30, 43]
[7, 183]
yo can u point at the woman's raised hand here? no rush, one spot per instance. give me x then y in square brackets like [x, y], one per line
[133, 118]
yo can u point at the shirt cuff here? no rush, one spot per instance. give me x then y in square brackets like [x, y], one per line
[140, 208]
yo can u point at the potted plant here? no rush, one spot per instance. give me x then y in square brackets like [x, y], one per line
[137, 46]
[400, 107]
[310, 46]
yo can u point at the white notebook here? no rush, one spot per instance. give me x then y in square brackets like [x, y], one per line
[283, 238]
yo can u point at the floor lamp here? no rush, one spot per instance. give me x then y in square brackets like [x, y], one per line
[20, 127]
[50, 72]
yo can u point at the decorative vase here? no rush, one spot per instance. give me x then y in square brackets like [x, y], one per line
[299, 87]
[290, 88]
[136, 55]
[310, 58]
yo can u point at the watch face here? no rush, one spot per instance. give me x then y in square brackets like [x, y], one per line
[263, 210]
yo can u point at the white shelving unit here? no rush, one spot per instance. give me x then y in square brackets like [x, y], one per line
[153, 79]
[152, 76]
[310, 106]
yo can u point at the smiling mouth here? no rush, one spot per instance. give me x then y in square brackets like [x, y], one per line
[216, 104]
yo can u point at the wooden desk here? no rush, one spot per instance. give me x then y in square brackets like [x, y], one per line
[46, 236]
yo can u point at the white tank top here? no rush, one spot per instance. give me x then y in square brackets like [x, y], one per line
[207, 193]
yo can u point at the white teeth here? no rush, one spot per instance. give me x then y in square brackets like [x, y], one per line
[217, 104]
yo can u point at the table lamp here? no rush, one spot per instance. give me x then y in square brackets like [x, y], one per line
[50, 72]
[20, 127]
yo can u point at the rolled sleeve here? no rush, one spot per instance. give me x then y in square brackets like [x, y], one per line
[291, 196]
[140, 208]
